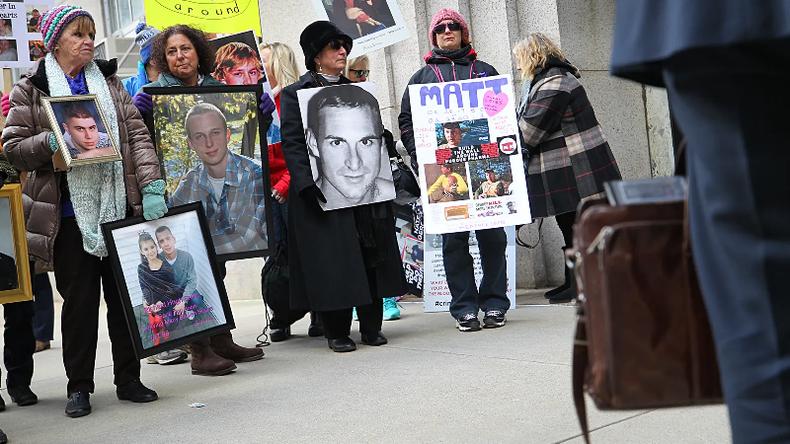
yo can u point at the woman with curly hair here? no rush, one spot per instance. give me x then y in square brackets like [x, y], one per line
[185, 59]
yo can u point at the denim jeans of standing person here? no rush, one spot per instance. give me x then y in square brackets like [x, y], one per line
[731, 104]
[460, 272]
[44, 316]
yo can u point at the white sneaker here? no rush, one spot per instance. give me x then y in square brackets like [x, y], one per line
[168, 357]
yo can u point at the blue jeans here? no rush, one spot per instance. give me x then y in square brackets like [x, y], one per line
[280, 223]
[44, 316]
[460, 273]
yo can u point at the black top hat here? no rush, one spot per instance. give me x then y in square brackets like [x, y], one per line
[316, 36]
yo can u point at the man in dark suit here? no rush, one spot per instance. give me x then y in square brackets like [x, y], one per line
[724, 64]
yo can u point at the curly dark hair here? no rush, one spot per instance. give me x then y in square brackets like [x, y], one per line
[199, 41]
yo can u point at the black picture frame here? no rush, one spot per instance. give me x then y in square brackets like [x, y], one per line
[262, 152]
[132, 312]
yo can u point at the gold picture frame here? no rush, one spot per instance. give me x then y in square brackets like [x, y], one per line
[87, 129]
[12, 193]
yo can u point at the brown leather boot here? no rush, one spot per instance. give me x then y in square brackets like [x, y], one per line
[224, 346]
[207, 363]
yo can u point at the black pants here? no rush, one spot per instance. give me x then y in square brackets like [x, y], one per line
[565, 222]
[731, 104]
[77, 277]
[44, 315]
[337, 323]
[19, 343]
[460, 272]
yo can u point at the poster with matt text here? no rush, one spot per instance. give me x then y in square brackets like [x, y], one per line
[373, 24]
[436, 294]
[216, 17]
[20, 42]
[471, 168]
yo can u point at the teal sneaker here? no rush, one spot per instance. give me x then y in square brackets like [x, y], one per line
[354, 314]
[391, 310]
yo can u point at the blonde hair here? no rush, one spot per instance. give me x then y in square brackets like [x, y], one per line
[283, 63]
[533, 52]
[351, 62]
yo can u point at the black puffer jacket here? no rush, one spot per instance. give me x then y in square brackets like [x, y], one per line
[441, 66]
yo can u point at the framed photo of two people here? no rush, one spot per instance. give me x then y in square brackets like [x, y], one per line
[168, 278]
[211, 143]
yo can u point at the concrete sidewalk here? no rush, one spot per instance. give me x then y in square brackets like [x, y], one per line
[431, 384]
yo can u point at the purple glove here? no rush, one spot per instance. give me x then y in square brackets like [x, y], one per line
[143, 102]
[267, 104]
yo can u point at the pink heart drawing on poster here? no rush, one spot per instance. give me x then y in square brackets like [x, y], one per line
[494, 103]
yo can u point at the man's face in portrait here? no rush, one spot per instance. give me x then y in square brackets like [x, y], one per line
[491, 176]
[349, 147]
[446, 170]
[83, 131]
[208, 136]
[453, 136]
[248, 73]
[167, 242]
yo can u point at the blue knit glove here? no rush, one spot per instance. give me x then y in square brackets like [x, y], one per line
[154, 205]
[143, 102]
[267, 105]
[53, 142]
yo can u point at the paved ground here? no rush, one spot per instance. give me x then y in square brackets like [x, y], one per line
[431, 384]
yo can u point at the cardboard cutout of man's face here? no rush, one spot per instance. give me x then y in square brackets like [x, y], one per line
[83, 131]
[208, 137]
[349, 150]
[453, 136]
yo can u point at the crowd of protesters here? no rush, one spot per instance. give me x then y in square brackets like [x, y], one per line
[65, 210]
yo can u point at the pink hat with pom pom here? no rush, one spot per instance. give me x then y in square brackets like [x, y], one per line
[449, 14]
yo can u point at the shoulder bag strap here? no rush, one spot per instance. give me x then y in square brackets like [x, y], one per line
[580, 363]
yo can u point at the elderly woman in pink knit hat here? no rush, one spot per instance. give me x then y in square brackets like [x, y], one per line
[453, 58]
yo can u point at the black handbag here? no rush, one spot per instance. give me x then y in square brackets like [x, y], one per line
[405, 181]
[274, 281]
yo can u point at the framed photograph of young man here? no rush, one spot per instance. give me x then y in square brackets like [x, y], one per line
[209, 140]
[168, 279]
[82, 132]
[15, 283]
[345, 141]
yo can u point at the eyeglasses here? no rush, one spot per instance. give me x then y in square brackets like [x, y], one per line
[337, 44]
[360, 72]
[443, 27]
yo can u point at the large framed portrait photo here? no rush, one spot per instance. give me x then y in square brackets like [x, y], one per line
[209, 140]
[168, 279]
[82, 131]
[372, 24]
[15, 285]
[345, 142]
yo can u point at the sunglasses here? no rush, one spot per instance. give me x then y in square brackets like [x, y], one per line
[442, 28]
[337, 44]
[360, 72]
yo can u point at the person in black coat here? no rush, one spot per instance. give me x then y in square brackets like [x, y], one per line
[453, 58]
[724, 64]
[342, 258]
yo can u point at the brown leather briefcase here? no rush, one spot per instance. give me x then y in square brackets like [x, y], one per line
[642, 335]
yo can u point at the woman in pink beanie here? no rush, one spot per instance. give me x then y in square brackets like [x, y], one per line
[453, 58]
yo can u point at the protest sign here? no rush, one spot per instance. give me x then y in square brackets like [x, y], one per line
[373, 24]
[218, 16]
[345, 143]
[471, 168]
[436, 294]
[20, 42]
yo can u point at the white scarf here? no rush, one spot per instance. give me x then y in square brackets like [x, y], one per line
[98, 191]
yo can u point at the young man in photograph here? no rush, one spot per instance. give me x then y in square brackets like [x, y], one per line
[345, 136]
[492, 187]
[229, 185]
[449, 183]
[453, 134]
[82, 134]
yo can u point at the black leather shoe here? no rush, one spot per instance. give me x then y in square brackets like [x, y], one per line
[22, 396]
[79, 404]
[135, 391]
[280, 334]
[342, 345]
[374, 340]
